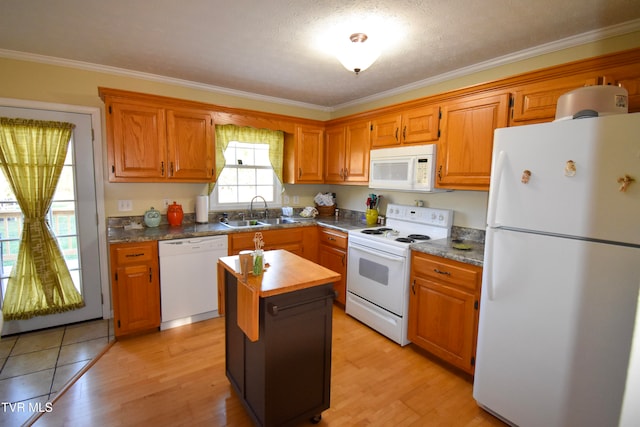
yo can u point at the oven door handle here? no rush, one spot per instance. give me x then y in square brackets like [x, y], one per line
[378, 254]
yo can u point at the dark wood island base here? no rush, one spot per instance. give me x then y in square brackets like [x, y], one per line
[283, 377]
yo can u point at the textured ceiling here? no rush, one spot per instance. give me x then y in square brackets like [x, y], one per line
[273, 48]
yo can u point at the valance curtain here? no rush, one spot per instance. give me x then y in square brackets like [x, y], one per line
[32, 154]
[228, 133]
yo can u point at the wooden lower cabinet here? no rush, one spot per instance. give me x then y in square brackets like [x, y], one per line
[443, 308]
[302, 241]
[332, 253]
[135, 287]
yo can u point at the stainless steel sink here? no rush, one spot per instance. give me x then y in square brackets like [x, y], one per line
[276, 221]
[245, 223]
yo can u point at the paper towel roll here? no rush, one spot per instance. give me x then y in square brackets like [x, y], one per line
[202, 209]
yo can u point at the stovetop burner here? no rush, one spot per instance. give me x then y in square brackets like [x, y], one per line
[404, 240]
[418, 236]
[376, 230]
[372, 231]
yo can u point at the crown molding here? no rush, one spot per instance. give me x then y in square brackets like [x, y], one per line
[569, 42]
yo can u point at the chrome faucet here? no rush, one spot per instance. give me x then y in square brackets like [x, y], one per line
[266, 211]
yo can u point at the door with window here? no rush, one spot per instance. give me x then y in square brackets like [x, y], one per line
[72, 217]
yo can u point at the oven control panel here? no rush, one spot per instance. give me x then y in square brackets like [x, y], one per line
[422, 215]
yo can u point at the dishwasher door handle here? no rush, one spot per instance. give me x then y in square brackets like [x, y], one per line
[274, 309]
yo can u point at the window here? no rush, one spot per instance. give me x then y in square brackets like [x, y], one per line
[247, 173]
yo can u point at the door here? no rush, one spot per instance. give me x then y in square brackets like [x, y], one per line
[73, 216]
[556, 323]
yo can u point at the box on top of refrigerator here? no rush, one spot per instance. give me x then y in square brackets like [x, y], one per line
[592, 101]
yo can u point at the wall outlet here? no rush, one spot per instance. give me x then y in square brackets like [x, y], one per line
[165, 203]
[285, 200]
[296, 200]
[125, 205]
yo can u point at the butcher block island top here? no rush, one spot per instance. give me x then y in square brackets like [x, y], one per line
[284, 272]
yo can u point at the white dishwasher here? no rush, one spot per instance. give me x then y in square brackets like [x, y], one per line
[188, 279]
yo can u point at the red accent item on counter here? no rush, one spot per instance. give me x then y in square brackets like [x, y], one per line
[175, 214]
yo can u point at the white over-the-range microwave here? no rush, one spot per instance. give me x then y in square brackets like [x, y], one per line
[410, 168]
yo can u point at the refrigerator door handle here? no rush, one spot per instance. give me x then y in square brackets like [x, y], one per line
[494, 192]
[488, 268]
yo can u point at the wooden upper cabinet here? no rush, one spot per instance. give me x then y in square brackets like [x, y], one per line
[347, 153]
[190, 144]
[151, 141]
[536, 103]
[137, 141]
[385, 131]
[334, 152]
[414, 126]
[303, 156]
[466, 142]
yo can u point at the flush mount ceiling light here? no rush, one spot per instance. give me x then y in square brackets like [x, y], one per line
[357, 55]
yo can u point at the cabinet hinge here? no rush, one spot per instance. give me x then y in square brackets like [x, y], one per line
[116, 277]
[475, 304]
[511, 101]
[439, 113]
[438, 133]
[118, 323]
[473, 361]
[113, 168]
[371, 127]
[109, 109]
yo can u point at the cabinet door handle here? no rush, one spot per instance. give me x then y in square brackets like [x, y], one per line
[134, 255]
[171, 168]
[343, 259]
[397, 129]
[150, 275]
[161, 168]
[331, 239]
[342, 173]
[299, 172]
[404, 133]
[440, 173]
[442, 272]
[413, 286]
[346, 173]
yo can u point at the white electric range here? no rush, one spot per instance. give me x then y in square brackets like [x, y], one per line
[379, 266]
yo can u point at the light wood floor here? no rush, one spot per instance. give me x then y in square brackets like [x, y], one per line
[177, 378]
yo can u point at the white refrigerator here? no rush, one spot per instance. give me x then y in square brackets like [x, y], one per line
[561, 273]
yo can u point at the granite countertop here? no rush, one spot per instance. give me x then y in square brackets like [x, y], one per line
[444, 248]
[187, 230]
[441, 247]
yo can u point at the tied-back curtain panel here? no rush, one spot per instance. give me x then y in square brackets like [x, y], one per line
[32, 154]
[228, 133]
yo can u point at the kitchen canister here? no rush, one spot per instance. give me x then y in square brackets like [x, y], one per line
[202, 209]
[152, 217]
[175, 214]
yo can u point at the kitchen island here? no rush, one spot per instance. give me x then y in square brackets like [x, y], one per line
[278, 337]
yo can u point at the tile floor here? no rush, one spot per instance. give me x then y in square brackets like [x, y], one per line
[35, 366]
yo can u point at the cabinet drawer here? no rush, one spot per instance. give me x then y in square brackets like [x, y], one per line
[333, 238]
[135, 253]
[446, 271]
